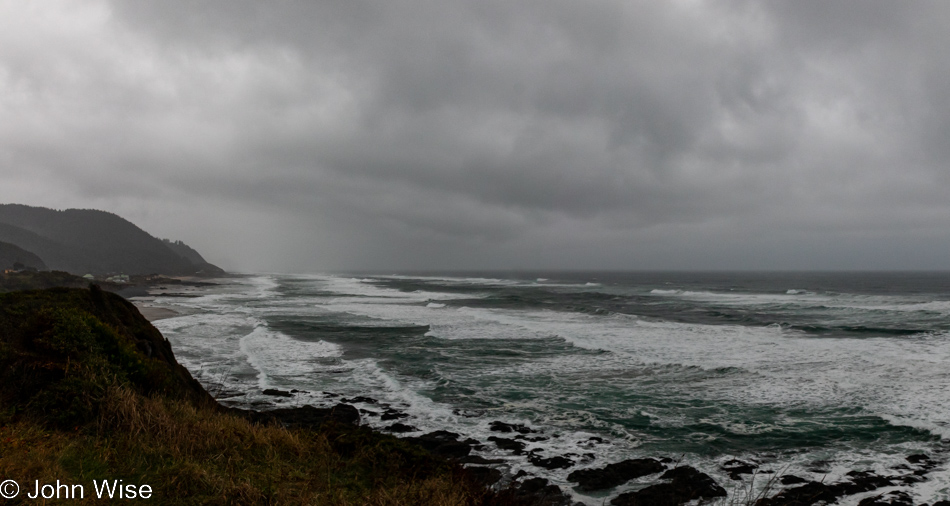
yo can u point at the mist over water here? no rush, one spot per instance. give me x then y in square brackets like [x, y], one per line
[806, 374]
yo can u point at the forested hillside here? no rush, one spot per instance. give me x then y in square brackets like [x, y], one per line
[83, 241]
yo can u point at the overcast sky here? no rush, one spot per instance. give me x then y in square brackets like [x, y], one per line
[491, 134]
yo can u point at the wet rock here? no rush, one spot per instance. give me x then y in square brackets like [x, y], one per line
[736, 468]
[536, 492]
[477, 459]
[791, 479]
[895, 498]
[508, 444]
[686, 484]
[438, 437]
[810, 493]
[615, 474]
[468, 413]
[368, 412]
[392, 414]
[444, 443]
[474, 443]
[942, 503]
[330, 394]
[557, 462]
[277, 393]
[865, 481]
[455, 450]
[484, 476]
[307, 417]
[360, 399]
[400, 428]
[923, 464]
[814, 492]
[498, 426]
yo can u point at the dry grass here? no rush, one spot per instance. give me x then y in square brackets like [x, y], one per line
[202, 456]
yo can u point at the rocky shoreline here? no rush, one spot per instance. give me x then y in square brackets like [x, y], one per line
[674, 484]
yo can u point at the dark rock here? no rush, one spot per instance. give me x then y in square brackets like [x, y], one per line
[791, 479]
[535, 492]
[433, 440]
[508, 444]
[814, 492]
[942, 503]
[864, 481]
[307, 417]
[392, 414]
[810, 493]
[474, 443]
[344, 413]
[615, 474]
[360, 398]
[440, 437]
[736, 468]
[476, 459]
[919, 459]
[484, 476]
[277, 393]
[368, 412]
[557, 462]
[455, 449]
[498, 426]
[895, 498]
[330, 394]
[467, 413]
[687, 484]
[444, 443]
[400, 428]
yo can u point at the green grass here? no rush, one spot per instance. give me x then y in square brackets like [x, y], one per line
[192, 455]
[89, 390]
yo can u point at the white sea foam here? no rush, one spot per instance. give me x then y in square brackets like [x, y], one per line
[901, 380]
[283, 361]
[803, 297]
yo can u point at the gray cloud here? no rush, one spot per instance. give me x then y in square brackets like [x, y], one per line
[416, 134]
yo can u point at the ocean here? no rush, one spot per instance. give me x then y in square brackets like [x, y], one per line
[805, 374]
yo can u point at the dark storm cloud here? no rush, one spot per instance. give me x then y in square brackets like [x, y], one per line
[493, 133]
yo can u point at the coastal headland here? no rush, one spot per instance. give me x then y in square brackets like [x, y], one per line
[92, 393]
